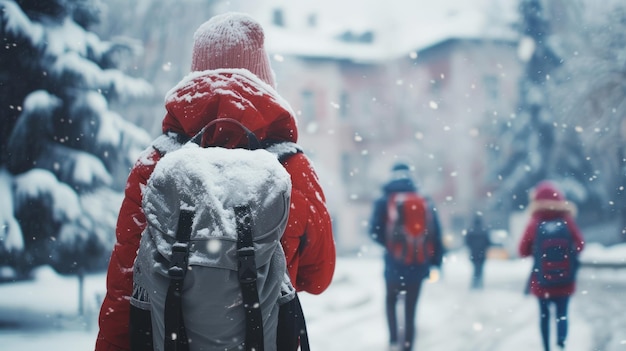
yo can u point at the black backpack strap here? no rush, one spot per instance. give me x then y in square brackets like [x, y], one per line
[175, 338]
[140, 329]
[395, 206]
[400, 236]
[300, 321]
[292, 333]
[400, 211]
[247, 279]
[253, 141]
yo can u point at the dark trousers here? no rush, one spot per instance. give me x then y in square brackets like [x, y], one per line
[561, 304]
[477, 276]
[410, 292]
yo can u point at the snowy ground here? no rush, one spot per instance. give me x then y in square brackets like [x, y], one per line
[43, 314]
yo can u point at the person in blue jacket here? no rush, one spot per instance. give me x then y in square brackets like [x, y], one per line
[478, 243]
[403, 279]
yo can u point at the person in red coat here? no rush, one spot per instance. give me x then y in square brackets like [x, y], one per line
[548, 203]
[231, 78]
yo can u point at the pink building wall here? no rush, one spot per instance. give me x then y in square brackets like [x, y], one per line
[356, 119]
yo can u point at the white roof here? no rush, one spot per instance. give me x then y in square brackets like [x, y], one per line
[399, 27]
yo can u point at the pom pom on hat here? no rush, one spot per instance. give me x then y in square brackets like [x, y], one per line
[231, 40]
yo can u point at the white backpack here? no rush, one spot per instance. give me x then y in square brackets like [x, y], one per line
[210, 268]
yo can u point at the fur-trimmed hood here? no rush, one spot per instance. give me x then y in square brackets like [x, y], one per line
[555, 206]
[547, 198]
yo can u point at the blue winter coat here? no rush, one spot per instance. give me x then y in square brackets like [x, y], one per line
[477, 241]
[397, 272]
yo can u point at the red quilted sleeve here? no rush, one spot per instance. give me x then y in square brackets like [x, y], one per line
[308, 240]
[114, 313]
[528, 237]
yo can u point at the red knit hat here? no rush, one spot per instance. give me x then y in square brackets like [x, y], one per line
[231, 40]
[547, 190]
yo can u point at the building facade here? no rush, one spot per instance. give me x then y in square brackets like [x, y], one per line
[432, 107]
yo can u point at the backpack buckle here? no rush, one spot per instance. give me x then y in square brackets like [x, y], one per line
[178, 265]
[247, 265]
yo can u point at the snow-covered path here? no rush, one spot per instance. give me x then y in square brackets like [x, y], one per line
[41, 314]
[350, 315]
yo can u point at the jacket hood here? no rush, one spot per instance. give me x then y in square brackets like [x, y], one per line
[202, 97]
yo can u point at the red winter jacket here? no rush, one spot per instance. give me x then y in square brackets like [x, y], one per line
[198, 99]
[549, 204]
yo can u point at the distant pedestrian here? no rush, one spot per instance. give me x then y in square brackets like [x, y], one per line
[478, 242]
[406, 224]
[555, 241]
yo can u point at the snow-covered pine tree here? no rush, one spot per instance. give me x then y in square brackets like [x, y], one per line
[536, 144]
[590, 92]
[64, 153]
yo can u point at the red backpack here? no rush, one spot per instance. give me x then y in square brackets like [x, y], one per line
[407, 228]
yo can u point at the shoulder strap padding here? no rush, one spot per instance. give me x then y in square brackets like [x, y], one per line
[169, 142]
[284, 150]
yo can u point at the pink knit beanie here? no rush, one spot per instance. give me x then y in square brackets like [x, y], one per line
[547, 190]
[231, 40]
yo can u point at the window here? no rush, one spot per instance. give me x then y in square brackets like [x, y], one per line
[435, 87]
[278, 18]
[344, 105]
[312, 20]
[346, 173]
[308, 106]
[491, 87]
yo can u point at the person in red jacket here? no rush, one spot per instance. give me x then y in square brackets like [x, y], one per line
[548, 204]
[231, 78]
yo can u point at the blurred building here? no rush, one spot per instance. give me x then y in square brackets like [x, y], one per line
[372, 82]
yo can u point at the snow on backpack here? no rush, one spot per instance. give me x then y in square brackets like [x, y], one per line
[407, 228]
[210, 268]
[554, 254]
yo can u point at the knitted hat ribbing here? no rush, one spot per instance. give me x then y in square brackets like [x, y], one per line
[231, 40]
